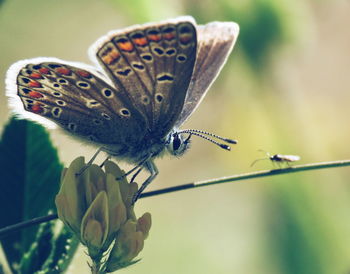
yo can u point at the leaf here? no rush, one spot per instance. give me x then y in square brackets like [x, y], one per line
[65, 246]
[30, 174]
[39, 251]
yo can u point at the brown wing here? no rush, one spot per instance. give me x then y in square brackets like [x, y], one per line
[215, 43]
[78, 100]
[152, 66]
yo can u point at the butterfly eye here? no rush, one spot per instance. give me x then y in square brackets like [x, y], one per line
[176, 142]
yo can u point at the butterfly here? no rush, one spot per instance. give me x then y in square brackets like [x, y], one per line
[147, 81]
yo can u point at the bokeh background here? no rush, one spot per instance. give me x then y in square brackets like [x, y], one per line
[285, 89]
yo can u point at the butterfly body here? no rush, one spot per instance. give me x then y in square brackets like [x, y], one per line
[147, 81]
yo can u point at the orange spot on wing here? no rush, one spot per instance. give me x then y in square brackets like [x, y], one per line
[154, 37]
[34, 84]
[111, 57]
[35, 94]
[63, 71]
[37, 108]
[35, 75]
[114, 54]
[185, 39]
[44, 70]
[83, 73]
[140, 41]
[126, 46]
[169, 36]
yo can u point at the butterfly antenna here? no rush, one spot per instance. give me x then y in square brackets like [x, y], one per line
[208, 139]
[201, 132]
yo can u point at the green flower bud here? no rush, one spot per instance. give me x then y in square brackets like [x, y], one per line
[97, 206]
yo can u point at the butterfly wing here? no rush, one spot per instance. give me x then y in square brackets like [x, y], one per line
[74, 96]
[151, 65]
[215, 43]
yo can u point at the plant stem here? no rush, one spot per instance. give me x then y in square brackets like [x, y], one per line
[228, 179]
[250, 175]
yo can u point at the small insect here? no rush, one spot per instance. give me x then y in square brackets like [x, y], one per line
[146, 83]
[279, 158]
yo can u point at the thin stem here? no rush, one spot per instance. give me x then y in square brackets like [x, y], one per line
[228, 179]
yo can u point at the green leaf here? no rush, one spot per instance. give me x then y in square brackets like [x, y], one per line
[30, 174]
[65, 246]
[39, 251]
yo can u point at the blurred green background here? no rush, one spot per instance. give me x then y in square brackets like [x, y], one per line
[285, 89]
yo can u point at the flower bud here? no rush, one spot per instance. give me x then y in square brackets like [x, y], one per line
[97, 206]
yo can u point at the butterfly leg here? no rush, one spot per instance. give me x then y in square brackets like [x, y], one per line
[152, 168]
[139, 165]
[103, 163]
[136, 173]
[88, 164]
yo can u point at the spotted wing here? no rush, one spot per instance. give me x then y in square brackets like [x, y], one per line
[215, 43]
[74, 97]
[152, 66]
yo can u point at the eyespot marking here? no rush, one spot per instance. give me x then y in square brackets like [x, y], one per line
[56, 112]
[83, 84]
[124, 112]
[181, 58]
[147, 57]
[124, 72]
[170, 52]
[159, 97]
[57, 94]
[61, 103]
[62, 81]
[92, 103]
[165, 78]
[106, 92]
[72, 126]
[106, 116]
[159, 51]
[55, 85]
[145, 100]
[138, 66]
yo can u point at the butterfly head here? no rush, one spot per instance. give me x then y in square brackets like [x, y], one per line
[177, 143]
